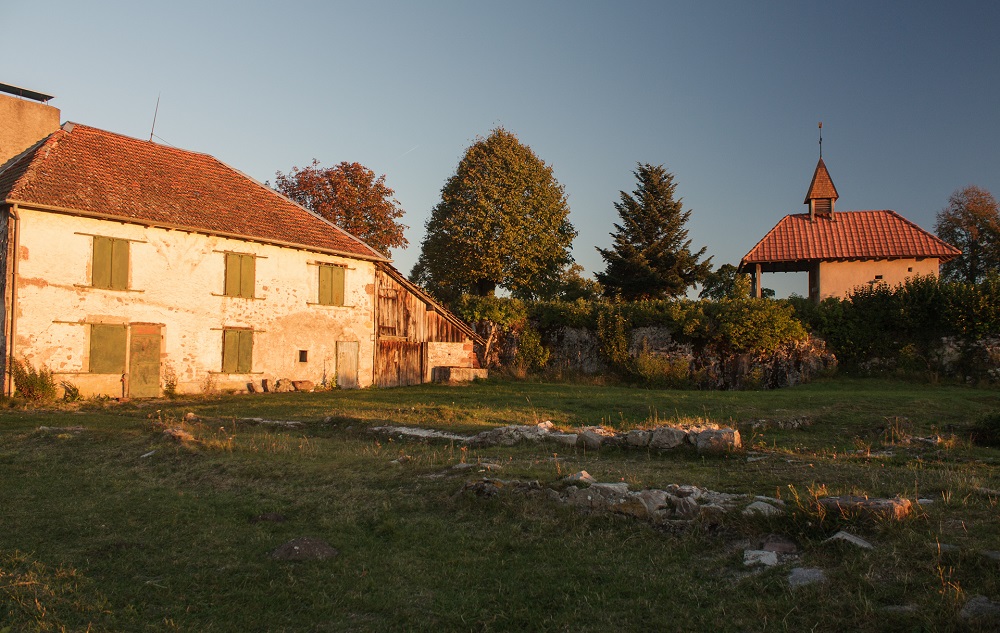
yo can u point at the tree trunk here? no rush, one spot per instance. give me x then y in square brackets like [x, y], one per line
[486, 287]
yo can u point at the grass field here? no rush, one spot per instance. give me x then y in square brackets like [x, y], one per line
[118, 527]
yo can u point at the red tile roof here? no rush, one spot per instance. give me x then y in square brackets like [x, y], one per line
[847, 235]
[821, 186]
[92, 172]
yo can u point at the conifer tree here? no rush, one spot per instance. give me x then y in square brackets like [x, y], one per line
[651, 256]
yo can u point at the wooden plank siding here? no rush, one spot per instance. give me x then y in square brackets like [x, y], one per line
[400, 363]
[405, 323]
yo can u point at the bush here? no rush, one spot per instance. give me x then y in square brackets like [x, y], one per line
[71, 393]
[668, 372]
[33, 385]
[986, 430]
[531, 355]
[502, 311]
[903, 326]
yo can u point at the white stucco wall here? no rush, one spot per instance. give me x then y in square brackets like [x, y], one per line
[177, 280]
[838, 279]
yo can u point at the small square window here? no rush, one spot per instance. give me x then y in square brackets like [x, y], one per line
[878, 277]
[910, 269]
[303, 356]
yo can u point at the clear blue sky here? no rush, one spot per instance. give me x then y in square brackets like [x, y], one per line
[726, 95]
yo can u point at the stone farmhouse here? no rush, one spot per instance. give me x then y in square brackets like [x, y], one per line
[129, 267]
[845, 249]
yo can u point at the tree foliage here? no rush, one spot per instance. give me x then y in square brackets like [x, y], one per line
[350, 196]
[651, 256]
[570, 285]
[727, 282]
[880, 325]
[971, 222]
[501, 222]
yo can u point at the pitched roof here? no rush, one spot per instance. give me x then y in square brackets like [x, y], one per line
[85, 170]
[431, 302]
[847, 235]
[821, 186]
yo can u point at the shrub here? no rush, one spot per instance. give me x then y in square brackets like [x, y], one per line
[36, 385]
[531, 354]
[502, 311]
[756, 326]
[669, 372]
[986, 430]
[169, 380]
[613, 337]
[71, 393]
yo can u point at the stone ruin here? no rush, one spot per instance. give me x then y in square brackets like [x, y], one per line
[707, 438]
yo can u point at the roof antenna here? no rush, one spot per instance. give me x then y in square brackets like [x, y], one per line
[152, 129]
[820, 137]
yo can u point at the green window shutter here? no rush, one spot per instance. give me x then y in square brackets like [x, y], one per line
[247, 275]
[239, 275]
[326, 285]
[246, 352]
[338, 285]
[232, 275]
[230, 351]
[107, 349]
[101, 273]
[237, 351]
[119, 264]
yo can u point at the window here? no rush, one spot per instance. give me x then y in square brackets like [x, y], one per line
[237, 351]
[331, 285]
[110, 269]
[303, 356]
[239, 275]
[107, 349]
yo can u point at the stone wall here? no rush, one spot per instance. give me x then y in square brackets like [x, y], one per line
[579, 350]
[176, 282]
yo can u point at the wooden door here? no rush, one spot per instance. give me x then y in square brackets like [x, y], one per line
[144, 361]
[400, 363]
[347, 364]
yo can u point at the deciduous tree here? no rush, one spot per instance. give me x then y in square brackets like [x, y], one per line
[350, 196]
[570, 285]
[651, 256]
[725, 283]
[971, 222]
[501, 222]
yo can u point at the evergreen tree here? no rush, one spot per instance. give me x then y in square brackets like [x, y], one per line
[501, 222]
[651, 255]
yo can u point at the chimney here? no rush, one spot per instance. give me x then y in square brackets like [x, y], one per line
[25, 119]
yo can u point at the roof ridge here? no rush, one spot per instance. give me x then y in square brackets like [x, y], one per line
[164, 146]
[101, 173]
[878, 234]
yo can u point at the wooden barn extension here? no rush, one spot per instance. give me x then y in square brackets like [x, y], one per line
[415, 334]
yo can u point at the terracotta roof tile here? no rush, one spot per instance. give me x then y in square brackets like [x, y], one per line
[821, 186]
[91, 171]
[847, 235]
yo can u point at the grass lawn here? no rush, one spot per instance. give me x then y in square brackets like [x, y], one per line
[118, 527]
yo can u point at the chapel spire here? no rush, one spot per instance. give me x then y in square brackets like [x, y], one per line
[822, 193]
